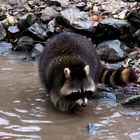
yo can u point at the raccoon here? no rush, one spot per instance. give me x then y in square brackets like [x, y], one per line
[70, 69]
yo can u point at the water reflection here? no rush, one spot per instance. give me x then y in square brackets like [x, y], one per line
[25, 112]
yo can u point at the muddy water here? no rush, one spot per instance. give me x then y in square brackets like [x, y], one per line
[26, 114]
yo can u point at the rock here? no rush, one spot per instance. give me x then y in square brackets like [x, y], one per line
[37, 50]
[48, 14]
[5, 48]
[116, 23]
[75, 18]
[134, 18]
[110, 29]
[136, 36]
[25, 43]
[37, 31]
[112, 51]
[113, 66]
[24, 58]
[63, 3]
[2, 32]
[13, 29]
[80, 5]
[51, 27]
[93, 128]
[26, 21]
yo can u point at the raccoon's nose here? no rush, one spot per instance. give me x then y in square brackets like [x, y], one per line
[84, 105]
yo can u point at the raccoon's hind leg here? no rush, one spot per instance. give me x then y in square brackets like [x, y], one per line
[119, 77]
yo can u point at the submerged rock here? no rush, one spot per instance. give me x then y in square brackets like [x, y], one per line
[5, 48]
[24, 57]
[75, 18]
[93, 128]
[111, 51]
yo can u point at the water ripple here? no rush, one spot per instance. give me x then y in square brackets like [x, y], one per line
[24, 128]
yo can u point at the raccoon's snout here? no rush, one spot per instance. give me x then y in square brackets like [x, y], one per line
[82, 102]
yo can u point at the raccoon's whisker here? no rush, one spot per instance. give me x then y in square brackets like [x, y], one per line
[91, 102]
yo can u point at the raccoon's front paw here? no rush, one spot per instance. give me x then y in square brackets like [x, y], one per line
[80, 111]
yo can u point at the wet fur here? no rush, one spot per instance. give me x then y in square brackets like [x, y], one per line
[73, 51]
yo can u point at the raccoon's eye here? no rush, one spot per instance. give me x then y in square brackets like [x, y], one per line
[74, 96]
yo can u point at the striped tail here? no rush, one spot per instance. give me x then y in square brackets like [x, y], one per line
[120, 77]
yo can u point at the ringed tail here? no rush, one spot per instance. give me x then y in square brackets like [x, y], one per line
[119, 77]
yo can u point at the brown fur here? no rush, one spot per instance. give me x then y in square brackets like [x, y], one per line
[70, 69]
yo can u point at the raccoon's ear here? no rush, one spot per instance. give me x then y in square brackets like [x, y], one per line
[87, 70]
[67, 72]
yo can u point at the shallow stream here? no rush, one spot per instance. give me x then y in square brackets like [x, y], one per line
[26, 114]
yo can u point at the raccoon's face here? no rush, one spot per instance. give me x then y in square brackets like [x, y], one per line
[78, 85]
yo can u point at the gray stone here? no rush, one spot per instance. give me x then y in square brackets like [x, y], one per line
[25, 43]
[27, 20]
[136, 35]
[112, 50]
[13, 29]
[37, 31]
[5, 48]
[48, 13]
[51, 27]
[24, 57]
[63, 3]
[37, 50]
[93, 128]
[81, 4]
[77, 19]
[116, 23]
[2, 32]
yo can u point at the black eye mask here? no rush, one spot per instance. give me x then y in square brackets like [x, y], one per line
[77, 95]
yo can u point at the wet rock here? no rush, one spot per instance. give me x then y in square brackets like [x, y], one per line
[37, 50]
[37, 31]
[25, 43]
[112, 51]
[128, 95]
[93, 128]
[134, 100]
[2, 32]
[48, 14]
[75, 18]
[26, 21]
[24, 57]
[134, 18]
[63, 3]
[5, 48]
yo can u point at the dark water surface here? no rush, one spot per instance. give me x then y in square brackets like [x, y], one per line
[25, 113]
